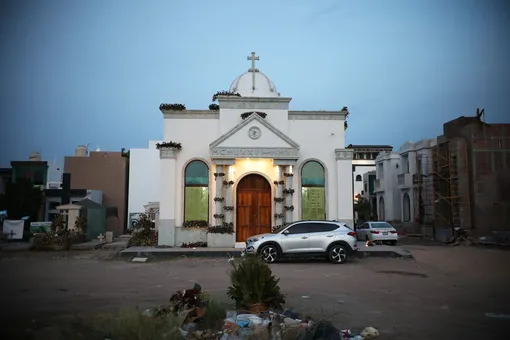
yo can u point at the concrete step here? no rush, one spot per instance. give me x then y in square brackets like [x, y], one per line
[117, 244]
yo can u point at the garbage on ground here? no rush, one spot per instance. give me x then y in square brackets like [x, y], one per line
[191, 306]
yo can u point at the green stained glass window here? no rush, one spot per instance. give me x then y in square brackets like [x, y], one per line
[313, 201]
[196, 204]
[197, 173]
[312, 174]
[196, 192]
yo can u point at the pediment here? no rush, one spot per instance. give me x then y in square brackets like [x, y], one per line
[254, 132]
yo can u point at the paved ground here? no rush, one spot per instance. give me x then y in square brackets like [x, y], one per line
[444, 293]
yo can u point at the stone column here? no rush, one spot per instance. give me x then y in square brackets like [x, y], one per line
[288, 197]
[167, 197]
[228, 196]
[279, 195]
[224, 165]
[285, 167]
[219, 193]
[344, 187]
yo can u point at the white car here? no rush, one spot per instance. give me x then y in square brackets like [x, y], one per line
[331, 239]
[377, 231]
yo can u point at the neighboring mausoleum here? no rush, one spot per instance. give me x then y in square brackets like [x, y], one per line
[248, 165]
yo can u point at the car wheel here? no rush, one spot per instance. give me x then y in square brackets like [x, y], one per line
[269, 253]
[337, 254]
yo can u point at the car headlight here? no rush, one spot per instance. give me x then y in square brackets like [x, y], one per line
[253, 240]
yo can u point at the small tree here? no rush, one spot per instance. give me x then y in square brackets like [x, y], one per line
[22, 199]
[362, 207]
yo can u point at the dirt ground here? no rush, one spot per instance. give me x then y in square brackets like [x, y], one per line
[444, 293]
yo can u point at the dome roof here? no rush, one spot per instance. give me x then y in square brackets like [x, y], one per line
[264, 87]
[254, 83]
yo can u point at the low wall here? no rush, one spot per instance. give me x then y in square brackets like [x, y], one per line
[221, 240]
[187, 235]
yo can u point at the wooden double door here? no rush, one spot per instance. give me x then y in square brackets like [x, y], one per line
[253, 211]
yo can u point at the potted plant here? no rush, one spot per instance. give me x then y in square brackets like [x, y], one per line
[253, 285]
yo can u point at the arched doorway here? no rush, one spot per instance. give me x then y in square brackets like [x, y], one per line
[253, 211]
[382, 216]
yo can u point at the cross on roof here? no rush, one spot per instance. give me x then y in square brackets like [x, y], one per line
[253, 57]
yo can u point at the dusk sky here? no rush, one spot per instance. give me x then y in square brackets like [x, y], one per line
[95, 71]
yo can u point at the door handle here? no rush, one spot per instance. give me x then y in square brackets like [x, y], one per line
[329, 236]
[304, 237]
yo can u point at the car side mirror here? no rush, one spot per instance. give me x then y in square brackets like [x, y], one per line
[285, 232]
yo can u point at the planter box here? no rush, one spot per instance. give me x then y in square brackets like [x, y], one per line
[221, 240]
[187, 235]
[166, 152]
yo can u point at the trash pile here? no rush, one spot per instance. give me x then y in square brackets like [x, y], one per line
[199, 318]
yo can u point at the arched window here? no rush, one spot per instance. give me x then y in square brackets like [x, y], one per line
[382, 216]
[313, 195]
[406, 207]
[196, 192]
[358, 178]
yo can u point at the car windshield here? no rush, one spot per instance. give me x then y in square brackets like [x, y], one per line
[280, 228]
[380, 225]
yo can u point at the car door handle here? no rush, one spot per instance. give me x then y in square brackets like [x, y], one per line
[304, 237]
[329, 236]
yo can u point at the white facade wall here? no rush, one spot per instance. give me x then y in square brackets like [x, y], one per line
[144, 177]
[317, 134]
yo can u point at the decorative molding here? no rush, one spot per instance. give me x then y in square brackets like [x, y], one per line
[343, 154]
[254, 103]
[235, 152]
[293, 115]
[225, 161]
[284, 162]
[254, 132]
[191, 114]
[168, 153]
[317, 115]
[262, 122]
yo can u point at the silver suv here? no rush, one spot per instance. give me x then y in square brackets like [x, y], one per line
[332, 239]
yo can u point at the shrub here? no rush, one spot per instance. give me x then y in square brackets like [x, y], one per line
[252, 282]
[145, 234]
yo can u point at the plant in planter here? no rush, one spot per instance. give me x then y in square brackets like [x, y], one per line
[224, 93]
[253, 285]
[172, 107]
[194, 245]
[174, 145]
[195, 224]
[224, 228]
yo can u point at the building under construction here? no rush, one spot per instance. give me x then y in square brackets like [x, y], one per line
[465, 181]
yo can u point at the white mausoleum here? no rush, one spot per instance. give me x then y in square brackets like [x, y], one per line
[251, 165]
[398, 197]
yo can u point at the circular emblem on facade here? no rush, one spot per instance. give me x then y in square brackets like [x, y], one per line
[254, 132]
